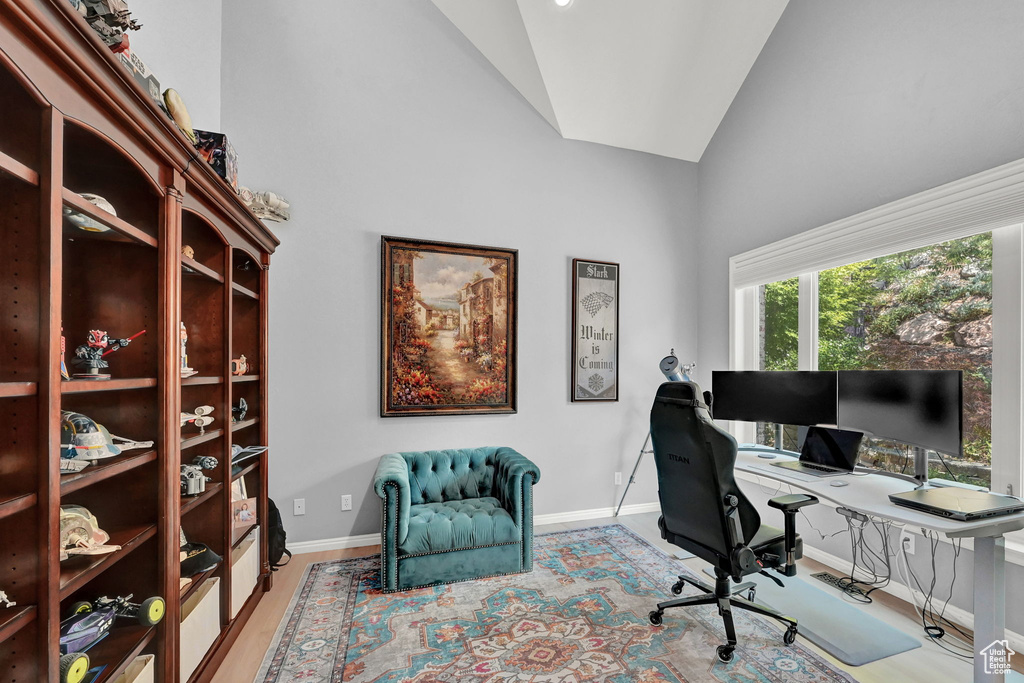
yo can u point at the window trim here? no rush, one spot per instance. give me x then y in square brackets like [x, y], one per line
[989, 201]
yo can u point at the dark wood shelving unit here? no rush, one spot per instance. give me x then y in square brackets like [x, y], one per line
[242, 471]
[238, 534]
[73, 121]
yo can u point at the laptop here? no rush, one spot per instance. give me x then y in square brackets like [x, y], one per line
[826, 453]
[958, 503]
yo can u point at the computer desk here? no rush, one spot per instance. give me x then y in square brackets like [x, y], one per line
[869, 494]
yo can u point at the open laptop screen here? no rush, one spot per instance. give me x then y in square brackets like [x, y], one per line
[831, 447]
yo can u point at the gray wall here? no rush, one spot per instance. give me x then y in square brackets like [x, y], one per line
[850, 106]
[380, 118]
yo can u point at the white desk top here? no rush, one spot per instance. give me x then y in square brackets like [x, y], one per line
[869, 493]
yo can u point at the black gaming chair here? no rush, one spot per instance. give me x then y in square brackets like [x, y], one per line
[704, 512]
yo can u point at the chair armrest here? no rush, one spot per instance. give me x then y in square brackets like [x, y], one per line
[392, 480]
[790, 505]
[511, 468]
[792, 502]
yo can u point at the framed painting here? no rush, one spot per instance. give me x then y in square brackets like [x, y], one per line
[595, 331]
[448, 328]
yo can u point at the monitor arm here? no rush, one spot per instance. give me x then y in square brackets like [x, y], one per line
[790, 505]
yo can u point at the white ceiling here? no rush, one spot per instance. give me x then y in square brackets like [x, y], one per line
[650, 75]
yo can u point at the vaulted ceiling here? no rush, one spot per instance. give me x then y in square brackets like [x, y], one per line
[655, 76]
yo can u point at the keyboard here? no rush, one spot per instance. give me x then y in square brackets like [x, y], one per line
[786, 473]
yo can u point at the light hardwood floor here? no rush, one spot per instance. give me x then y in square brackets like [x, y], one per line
[927, 663]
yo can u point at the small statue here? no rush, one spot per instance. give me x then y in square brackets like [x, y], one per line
[239, 366]
[266, 205]
[90, 355]
[5, 601]
[186, 371]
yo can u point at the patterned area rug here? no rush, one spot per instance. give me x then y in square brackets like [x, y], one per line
[581, 615]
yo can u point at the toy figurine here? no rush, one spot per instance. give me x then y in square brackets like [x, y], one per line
[239, 366]
[193, 481]
[5, 601]
[200, 417]
[238, 412]
[186, 371]
[83, 222]
[90, 355]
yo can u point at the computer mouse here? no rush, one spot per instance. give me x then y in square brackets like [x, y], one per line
[766, 456]
[839, 482]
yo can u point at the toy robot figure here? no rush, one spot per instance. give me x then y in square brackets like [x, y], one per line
[239, 366]
[186, 371]
[90, 355]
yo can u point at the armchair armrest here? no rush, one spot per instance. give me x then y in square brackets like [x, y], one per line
[790, 505]
[392, 481]
[514, 477]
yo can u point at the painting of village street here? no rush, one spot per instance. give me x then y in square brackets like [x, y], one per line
[448, 315]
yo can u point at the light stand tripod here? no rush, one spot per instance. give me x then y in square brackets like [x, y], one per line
[673, 373]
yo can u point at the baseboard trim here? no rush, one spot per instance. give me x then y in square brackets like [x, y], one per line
[898, 590]
[342, 542]
[334, 544]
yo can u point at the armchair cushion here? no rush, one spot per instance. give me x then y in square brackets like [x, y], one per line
[472, 523]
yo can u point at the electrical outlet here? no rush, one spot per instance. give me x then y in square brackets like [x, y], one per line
[907, 542]
[346, 503]
[300, 506]
[618, 478]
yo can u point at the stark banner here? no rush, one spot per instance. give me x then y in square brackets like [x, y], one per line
[595, 331]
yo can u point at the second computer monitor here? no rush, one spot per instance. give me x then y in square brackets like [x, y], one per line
[782, 396]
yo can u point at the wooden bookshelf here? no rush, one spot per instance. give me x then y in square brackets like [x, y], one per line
[73, 122]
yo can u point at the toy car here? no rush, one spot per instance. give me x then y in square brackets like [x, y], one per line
[90, 622]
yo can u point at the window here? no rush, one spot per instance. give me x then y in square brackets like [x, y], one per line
[778, 345]
[926, 308]
[945, 265]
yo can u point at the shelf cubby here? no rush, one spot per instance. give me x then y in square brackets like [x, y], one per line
[104, 469]
[19, 281]
[78, 570]
[16, 618]
[20, 154]
[189, 503]
[85, 386]
[199, 439]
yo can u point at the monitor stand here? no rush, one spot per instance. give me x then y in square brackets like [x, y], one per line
[920, 465]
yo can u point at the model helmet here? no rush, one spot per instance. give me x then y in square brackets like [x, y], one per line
[82, 439]
[80, 532]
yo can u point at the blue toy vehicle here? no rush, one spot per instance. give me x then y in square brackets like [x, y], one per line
[90, 622]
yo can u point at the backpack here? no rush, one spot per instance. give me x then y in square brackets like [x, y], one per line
[276, 537]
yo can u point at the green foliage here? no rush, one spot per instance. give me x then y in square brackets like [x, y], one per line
[781, 331]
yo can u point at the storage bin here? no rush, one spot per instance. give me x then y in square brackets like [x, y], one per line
[245, 570]
[200, 625]
[139, 671]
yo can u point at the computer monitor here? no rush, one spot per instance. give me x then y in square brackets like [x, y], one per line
[836, 448]
[916, 407]
[782, 396]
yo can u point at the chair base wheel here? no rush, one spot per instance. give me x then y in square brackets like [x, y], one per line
[655, 617]
[789, 637]
[677, 588]
[724, 653]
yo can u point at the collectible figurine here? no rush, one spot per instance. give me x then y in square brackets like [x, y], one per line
[193, 481]
[266, 205]
[90, 622]
[200, 417]
[186, 371]
[90, 355]
[179, 114]
[110, 19]
[5, 601]
[239, 366]
[83, 440]
[83, 222]
[80, 533]
[188, 251]
[238, 412]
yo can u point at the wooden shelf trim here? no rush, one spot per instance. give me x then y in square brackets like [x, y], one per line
[196, 380]
[239, 426]
[210, 435]
[104, 469]
[18, 504]
[245, 378]
[244, 291]
[192, 502]
[199, 269]
[197, 581]
[245, 470]
[84, 386]
[246, 530]
[73, 576]
[17, 169]
[9, 389]
[76, 202]
[19, 619]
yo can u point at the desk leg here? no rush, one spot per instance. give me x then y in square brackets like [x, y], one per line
[989, 602]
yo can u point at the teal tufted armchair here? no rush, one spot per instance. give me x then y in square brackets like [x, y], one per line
[454, 515]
